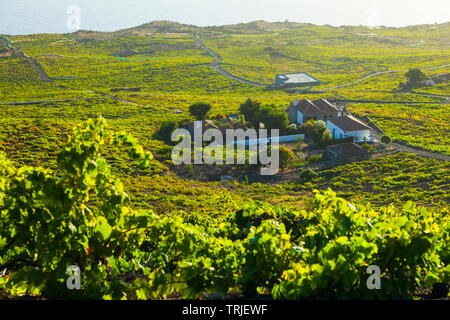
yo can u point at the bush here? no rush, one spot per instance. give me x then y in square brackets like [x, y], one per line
[308, 174]
[385, 139]
[314, 158]
[286, 157]
[327, 138]
[368, 147]
[415, 77]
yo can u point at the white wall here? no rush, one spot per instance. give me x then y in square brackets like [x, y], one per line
[299, 117]
[358, 135]
[281, 139]
[291, 138]
[337, 131]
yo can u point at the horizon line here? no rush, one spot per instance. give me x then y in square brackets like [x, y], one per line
[234, 24]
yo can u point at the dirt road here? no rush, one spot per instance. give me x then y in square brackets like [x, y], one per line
[216, 65]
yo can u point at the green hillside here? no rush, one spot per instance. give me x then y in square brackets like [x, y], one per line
[159, 230]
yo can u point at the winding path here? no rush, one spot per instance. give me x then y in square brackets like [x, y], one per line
[42, 74]
[216, 65]
[379, 74]
[388, 102]
[422, 153]
[410, 149]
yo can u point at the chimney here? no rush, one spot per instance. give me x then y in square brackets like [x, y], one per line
[296, 102]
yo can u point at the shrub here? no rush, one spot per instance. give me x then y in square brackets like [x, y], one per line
[368, 147]
[314, 158]
[308, 174]
[385, 139]
[320, 135]
[286, 157]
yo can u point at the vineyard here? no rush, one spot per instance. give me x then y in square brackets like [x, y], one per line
[388, 180]
[426, 125]
[85, 181]
[81, 214]
[335, 56]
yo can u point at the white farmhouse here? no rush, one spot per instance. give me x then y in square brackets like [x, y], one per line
[348, 126]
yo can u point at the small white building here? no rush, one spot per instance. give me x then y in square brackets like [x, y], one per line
[348, 126]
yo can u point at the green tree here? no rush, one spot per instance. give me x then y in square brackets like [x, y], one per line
[273, 117]
[318, 129]
[307, 128]
[415, 77]
[250, 110]
[200, 110]
[164, 133]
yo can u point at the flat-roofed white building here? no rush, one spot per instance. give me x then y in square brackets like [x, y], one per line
[295, 80]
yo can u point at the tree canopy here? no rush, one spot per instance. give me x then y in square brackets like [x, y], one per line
[199, 110]
[273, 117]
[415, 76]
[250, 110]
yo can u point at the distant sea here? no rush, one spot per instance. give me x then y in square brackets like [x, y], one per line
[50, 16]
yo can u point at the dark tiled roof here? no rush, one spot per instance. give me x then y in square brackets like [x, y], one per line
[319, 106]
[347, 149]
[307, 107]
[349, 123]
[325, 105]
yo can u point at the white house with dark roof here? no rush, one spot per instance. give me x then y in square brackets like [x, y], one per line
[348, 126]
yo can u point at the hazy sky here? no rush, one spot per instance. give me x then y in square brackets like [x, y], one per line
[35, 16]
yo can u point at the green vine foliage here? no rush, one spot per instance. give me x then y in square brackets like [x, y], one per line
[49, 222]
[81, 215]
